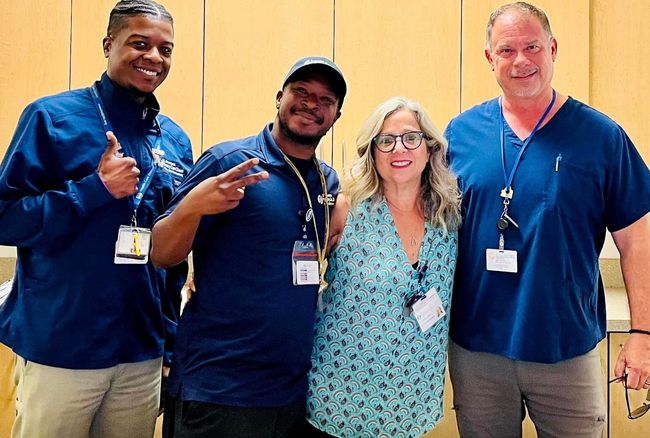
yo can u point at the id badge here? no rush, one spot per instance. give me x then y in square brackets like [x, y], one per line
[428, 310]
[304, 261]
[132, 246]
[501, 260]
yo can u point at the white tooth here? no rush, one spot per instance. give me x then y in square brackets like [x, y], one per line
[147, 72]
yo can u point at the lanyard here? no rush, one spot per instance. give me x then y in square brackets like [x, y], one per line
[319, 249]
[507, 189]
[418, 277]
[146, 181]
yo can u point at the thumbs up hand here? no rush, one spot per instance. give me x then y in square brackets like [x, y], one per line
[119, 174]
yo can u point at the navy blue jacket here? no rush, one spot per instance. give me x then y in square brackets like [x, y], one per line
[71, 306]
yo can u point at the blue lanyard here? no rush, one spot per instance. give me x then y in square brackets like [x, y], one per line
[508, 180]
[146, 181]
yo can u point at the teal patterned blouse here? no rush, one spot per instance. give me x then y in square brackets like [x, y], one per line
[374, 373]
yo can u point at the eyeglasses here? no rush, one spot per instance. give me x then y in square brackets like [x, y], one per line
[387, 142]
[638, 412]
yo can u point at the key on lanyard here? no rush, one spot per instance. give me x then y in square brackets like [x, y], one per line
[505, 220]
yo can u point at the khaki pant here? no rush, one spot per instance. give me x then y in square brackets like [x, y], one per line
[7, 390]
[492, 394]
[116, 402]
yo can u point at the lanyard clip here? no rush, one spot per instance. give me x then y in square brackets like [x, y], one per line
[422, 269]
[408, 303]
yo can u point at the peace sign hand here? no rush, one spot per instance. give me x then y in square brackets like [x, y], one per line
[225, 191]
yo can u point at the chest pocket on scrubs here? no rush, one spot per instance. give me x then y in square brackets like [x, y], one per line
[571, 190]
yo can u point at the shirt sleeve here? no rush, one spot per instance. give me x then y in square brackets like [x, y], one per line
[627, 190]
[36, 207]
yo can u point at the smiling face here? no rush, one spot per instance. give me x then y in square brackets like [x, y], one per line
[140, 53]
[521, 54]
[307, 109]
[401, 167]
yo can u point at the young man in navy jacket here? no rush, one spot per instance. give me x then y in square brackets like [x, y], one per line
[85, 175]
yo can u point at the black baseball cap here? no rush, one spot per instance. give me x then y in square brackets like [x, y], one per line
[323, 65]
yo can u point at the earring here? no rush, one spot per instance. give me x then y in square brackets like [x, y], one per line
[277, 105]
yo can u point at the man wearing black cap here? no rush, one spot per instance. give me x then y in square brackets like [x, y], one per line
[255, 213]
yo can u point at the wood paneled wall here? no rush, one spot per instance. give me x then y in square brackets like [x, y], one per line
[570, 26]
[620, 56]
[406, 48]
[231, 57]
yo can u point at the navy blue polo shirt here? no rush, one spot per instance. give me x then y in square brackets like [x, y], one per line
[245, 337]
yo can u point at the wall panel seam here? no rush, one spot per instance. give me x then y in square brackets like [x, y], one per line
[70, 46]
[460, 59]
[203, 79]
[333, 59]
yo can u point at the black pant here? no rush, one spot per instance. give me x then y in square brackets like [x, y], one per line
[194, 419]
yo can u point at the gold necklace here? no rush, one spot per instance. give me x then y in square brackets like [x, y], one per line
[413, 243]
[390, 204]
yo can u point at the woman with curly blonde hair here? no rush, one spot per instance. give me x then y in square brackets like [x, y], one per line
[380, 348]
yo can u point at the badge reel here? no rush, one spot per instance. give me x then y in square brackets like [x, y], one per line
[132, 246]
[502, 260]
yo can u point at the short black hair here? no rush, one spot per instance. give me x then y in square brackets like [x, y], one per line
[126, 9]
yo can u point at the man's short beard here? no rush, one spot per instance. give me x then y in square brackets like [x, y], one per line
[305, 140]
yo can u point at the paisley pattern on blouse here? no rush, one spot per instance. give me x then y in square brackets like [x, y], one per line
[374, 373]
